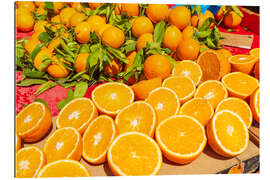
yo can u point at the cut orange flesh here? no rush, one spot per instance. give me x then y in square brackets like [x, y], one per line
[243, 63]
[18, 142]
[255, 105]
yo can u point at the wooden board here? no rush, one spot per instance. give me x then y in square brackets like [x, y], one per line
[237, 40]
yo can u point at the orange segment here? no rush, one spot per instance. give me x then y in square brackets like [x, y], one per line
[183, 86]
[64, 143]
[29, 161]
[33, 122]
[63, 168]
[213, 91]
[199, 108]
[240, 84]
[181, 138]
[138, 116]
[97, 138]
[243, 63]
[165, 102]
[227, 134]
[238, 106]
[110, 98]
[190, 69]
[78, 113]
[255, 105]
[18, 142]
[134, 154]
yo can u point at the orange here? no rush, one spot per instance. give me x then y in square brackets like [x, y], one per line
[39, 26]
[117, 9]
[214, 65]
[255, 104]
[77, 6]
[113, 37]
[194, 20]
[143, 39]
[96, 22]
[224, 52]
[57, 6]
[199, 108]
[56, 19]
[131, 56]
[42, 54]
[100, 32]
[141, 25]
[209, 14]
[188, 32]
[213, 91]
[76, 19]
[255, 52]
[63, 168]
[80, 62]
[181, 138]
[130, 9]
[33, 122]
[180, 16]
[55, 43]
[144, 87]
[172, 38]
[220, 13]
[157, 12]
[110, 98]
[202, 18]
[188, 68]
[78, 113]
[165, 102]
[227, 134]
[238, 106]
[63, 143]
[232, 20]
[157, 66]
[243, 63]
[82, 31]
[257, 70]
[114, 68]
[24, 22]
[57, 69]
[138, 116]
[31, 45]
[183, 86]
[39, 4]
[18, 142]
[240, 84]
[95, 5]
[30, 6]
[40, 11]
[66, 14]
[97, 139]
[188, 49]
[29, 161]
[21, 11]
[134, 154]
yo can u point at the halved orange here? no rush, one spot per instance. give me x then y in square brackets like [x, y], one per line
[213, 91]
[138, 116]
[181, 138]
[165, 102]
[243, 63]
[199, 108]
[97, 139]
[240, 84]
[225, 52]
[238, 106]
[78, 113]
[227, 134]
[190, 69]
[110, 98]
[255, 104]
[18, 142]
[255, 52]
[63, 168]
[33, 122]
[257, 70]
[134, 154]
[183, 86]
[29, 161]
[64, 143]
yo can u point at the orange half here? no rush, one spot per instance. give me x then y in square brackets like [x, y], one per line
[243, 63]
[255, 104]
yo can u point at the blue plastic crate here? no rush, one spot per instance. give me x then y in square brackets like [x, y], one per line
[212, 8]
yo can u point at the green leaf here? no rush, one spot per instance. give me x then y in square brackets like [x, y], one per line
[63, 102]
[210, 43]
[203, 34]
[30, 82]
[49, 5]
[159, 32]
[77, 75]
[237, 11]
[67, 84]
[118, 54]
[80, 89]
[232, 30]
[45, 63]
[206, 24]
[172, 61]
[36, 51]
[44, 87]
[44, 37]
[84, 48]
[41, 101]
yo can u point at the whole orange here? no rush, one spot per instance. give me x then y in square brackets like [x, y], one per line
[82, 32]
[180, 17]
[39, 26]
[130, 9]
[231, 19]
[80, 62]
[56, 69]
[117, 9]
[43, 53]
[57, 6]
[114, 69]
[54, 44]
[157, 66]
[142, 25]
[209, 14]
[157, 12]
[31, 45]
[96, 22]
[24, 22]
[172, 38]
[202, 18]
[220, 13]
[194, 20]
[188, 32]
[77, 6]
[143, 39]
[188, 49]
[113, 37]
[56, 19]
[40, 11]
[22, 11]
[26, 5]
[76, 19]
[100, 32]
[66, 14]
[95, 5]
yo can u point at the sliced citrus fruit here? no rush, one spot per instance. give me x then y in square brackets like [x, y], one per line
[97, 138]
[255, 104]
[255, 52]
[29, 161]
[181, 138]
[238, 106]
[240, 84]
[78, 113]
[18, 142]
[199, 108]
[165, 102]
[33, 122]
[63, 168]
[243, 63]
[213, 91]
[227, 134]
[183, 86]
[257, 70]
[224, 52]
[134, 154]
[64, 143]
[110, 98]
[188, 68]
[144, 87]
[138, 116]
